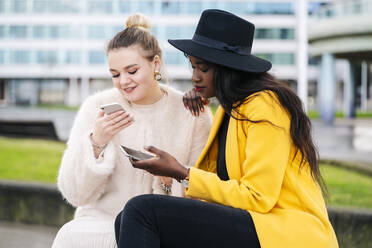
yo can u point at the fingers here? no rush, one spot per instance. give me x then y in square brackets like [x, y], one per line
[100, 114]
[184, 99]
[124, 117]
[194, 99]
[154, 150]
[200, 103]
[194, 102]
[123, 123]
[114, 115]
[205, 101]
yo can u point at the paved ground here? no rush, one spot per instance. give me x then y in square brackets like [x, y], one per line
[15, 235]
[346, 140]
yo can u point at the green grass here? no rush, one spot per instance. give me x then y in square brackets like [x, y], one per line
[30, 159]
[347, 188]
[58, 106]
[38, 160]
[313, 114]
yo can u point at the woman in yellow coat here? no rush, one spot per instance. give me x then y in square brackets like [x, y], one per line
[257, 182]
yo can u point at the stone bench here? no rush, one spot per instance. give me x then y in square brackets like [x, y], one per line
[35, 129]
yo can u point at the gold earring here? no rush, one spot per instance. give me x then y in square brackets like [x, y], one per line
[157, 75]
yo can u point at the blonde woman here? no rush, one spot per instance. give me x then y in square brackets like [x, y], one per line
[95, 176]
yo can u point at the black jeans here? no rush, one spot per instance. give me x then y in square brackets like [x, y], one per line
[164, 221]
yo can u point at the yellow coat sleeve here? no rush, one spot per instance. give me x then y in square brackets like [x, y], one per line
[266, 152]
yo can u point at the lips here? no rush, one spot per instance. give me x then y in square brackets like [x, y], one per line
[198, 89]
[129, 89]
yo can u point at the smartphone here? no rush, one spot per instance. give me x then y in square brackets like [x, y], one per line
[111, 108]
[135, 154]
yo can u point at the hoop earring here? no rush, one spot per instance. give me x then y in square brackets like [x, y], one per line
[157, 76]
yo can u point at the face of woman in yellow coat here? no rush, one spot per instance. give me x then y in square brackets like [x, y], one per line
[202, 77]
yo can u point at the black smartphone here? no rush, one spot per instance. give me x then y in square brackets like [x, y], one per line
[135, 154]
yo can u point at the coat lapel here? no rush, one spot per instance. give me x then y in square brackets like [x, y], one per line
[212, 134]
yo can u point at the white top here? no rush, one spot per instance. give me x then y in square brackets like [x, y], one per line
[101, 187]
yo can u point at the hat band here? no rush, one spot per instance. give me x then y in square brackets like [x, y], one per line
[205, 41]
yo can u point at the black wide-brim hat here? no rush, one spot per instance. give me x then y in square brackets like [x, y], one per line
[225, 39]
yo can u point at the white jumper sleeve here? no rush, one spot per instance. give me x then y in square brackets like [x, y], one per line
[82, 177]
[200, 133]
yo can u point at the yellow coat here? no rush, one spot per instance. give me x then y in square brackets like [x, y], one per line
[286, 204]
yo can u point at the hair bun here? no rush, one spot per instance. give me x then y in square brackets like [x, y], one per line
[138, 21]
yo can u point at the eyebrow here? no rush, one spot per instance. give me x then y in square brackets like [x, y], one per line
[125, 68]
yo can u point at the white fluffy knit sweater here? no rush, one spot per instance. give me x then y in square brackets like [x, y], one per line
[101, 187]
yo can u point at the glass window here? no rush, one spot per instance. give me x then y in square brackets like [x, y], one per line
[187, 32]
[146, 7]
[155, 31]
[278, 58]
[170, 7]
[96, 57]
[125, 6]
[2, 31]
[73, 57]
[274, 33]
[172, 32]
[116, 29]
[274, 8]
[191, 8]
[2, 57]
[46, 57]
[18, 6]
[53, 32]
[240, 8]
[65, 32]
[18, 32]
[172, 58]
[96, 32]
[99, 6]
[39, 32]
[63, 6]
[283, 58]
[2, 6]
[40, 6]
[287, 33]
[20, 57]
[212, 5]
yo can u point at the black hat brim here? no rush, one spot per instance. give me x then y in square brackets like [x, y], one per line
[248, 63]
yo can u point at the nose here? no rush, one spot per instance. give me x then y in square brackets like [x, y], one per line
[123, 79]
[195, 77]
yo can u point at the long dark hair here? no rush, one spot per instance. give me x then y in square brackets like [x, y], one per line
[233, 88]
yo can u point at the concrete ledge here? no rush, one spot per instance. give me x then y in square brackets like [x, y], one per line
[33, 203]
[43, 204]
[353, 227]
[20, 128]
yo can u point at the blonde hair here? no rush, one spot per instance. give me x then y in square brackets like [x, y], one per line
[138, 20]
[137, 32]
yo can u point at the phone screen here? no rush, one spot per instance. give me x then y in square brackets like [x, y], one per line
[135, 154]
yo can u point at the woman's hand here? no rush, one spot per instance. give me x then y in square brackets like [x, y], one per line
[194, 102]
[162, 165]
[107, 126]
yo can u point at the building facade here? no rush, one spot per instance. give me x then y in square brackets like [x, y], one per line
[53, 51]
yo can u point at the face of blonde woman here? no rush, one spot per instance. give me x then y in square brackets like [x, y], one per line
[133, 74]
